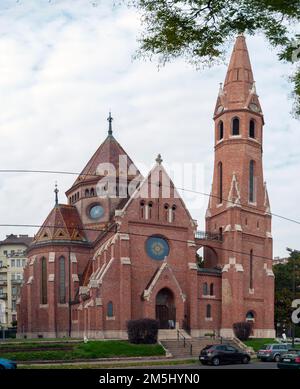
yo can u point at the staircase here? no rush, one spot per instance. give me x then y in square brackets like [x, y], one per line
[191, 348]
[184, 346]
[172, 334]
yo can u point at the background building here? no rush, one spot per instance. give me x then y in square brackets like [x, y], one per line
[12, 262]
[280, 261]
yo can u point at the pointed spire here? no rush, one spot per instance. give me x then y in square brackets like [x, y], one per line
[239, 78]
[110, 119]
[253, 89]
[56, 194]
[221, 92]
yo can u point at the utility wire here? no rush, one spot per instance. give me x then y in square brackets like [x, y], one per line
[178, 188]
[108, 229]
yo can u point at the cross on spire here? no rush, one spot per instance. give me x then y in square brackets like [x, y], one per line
[110, 119]
[56, 194]
[159, 159]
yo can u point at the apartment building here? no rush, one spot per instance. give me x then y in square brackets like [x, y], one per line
[12, 262]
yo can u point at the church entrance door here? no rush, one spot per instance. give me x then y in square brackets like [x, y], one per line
[165, 309]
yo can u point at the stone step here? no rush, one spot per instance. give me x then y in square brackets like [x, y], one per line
[177, 348]
[171, 334]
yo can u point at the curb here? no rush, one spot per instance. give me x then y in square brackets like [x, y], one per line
[115, 359]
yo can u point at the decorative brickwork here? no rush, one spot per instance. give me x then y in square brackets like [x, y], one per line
[134, 256]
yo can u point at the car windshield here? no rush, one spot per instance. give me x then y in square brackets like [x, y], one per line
[207, 347]
[266, 347]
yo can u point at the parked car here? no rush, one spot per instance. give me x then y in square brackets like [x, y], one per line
[222, 353]
[290, 360]
[272, 352]
[7, 364]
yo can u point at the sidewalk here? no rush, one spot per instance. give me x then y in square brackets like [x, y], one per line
[109, 362]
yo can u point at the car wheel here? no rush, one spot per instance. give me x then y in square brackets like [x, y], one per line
[216, 361]
[245, 360]
[277, 358]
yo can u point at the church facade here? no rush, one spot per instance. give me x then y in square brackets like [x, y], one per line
[125, 246]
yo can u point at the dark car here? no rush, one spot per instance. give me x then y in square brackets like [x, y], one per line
[7, 364]
[222, 353]
[290, 360]
[272, 352]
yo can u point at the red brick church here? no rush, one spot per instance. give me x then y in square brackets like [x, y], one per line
[124, 247]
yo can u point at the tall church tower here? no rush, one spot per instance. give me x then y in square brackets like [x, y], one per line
[239, 209]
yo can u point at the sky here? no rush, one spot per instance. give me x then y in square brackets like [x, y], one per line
[64, 64]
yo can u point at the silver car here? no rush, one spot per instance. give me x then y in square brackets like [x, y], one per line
[272, 352]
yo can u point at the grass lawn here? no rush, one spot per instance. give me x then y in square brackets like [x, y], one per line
[257, 343]
[90, 350]
[108, 366]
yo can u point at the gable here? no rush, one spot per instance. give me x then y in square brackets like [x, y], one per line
[158, 200]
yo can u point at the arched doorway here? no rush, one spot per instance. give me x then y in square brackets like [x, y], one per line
[165, 309]
[250, 318]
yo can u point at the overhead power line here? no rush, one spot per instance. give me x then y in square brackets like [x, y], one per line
[286, 218]
[109, 228]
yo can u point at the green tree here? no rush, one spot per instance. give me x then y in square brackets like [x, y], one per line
[284, 294]
[199, 260]
[199, 30]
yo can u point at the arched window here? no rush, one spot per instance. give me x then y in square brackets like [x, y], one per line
[166, 212]
[205, 289]
[211, 289]
[150, 206]
[62, 280]
[173, 212]
[110, 309]
[92, 192]
[142, 209]
[44, 298]
[220, 182]
[252, 128]
[251, 270]
[86, 193]
[220, 233]
[250, 316]
[251, 181]
[221, 130]
[236, 126]
[208, 310]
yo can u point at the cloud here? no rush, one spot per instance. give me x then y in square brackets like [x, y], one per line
[64, 64]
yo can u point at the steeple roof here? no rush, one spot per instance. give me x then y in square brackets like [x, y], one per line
[239, 89]
[63, 223]
[109, 156]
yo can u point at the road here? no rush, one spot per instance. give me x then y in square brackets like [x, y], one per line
[252, 365]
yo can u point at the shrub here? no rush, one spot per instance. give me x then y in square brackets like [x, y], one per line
[242, 330]
[210, 334]
[142, 331]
